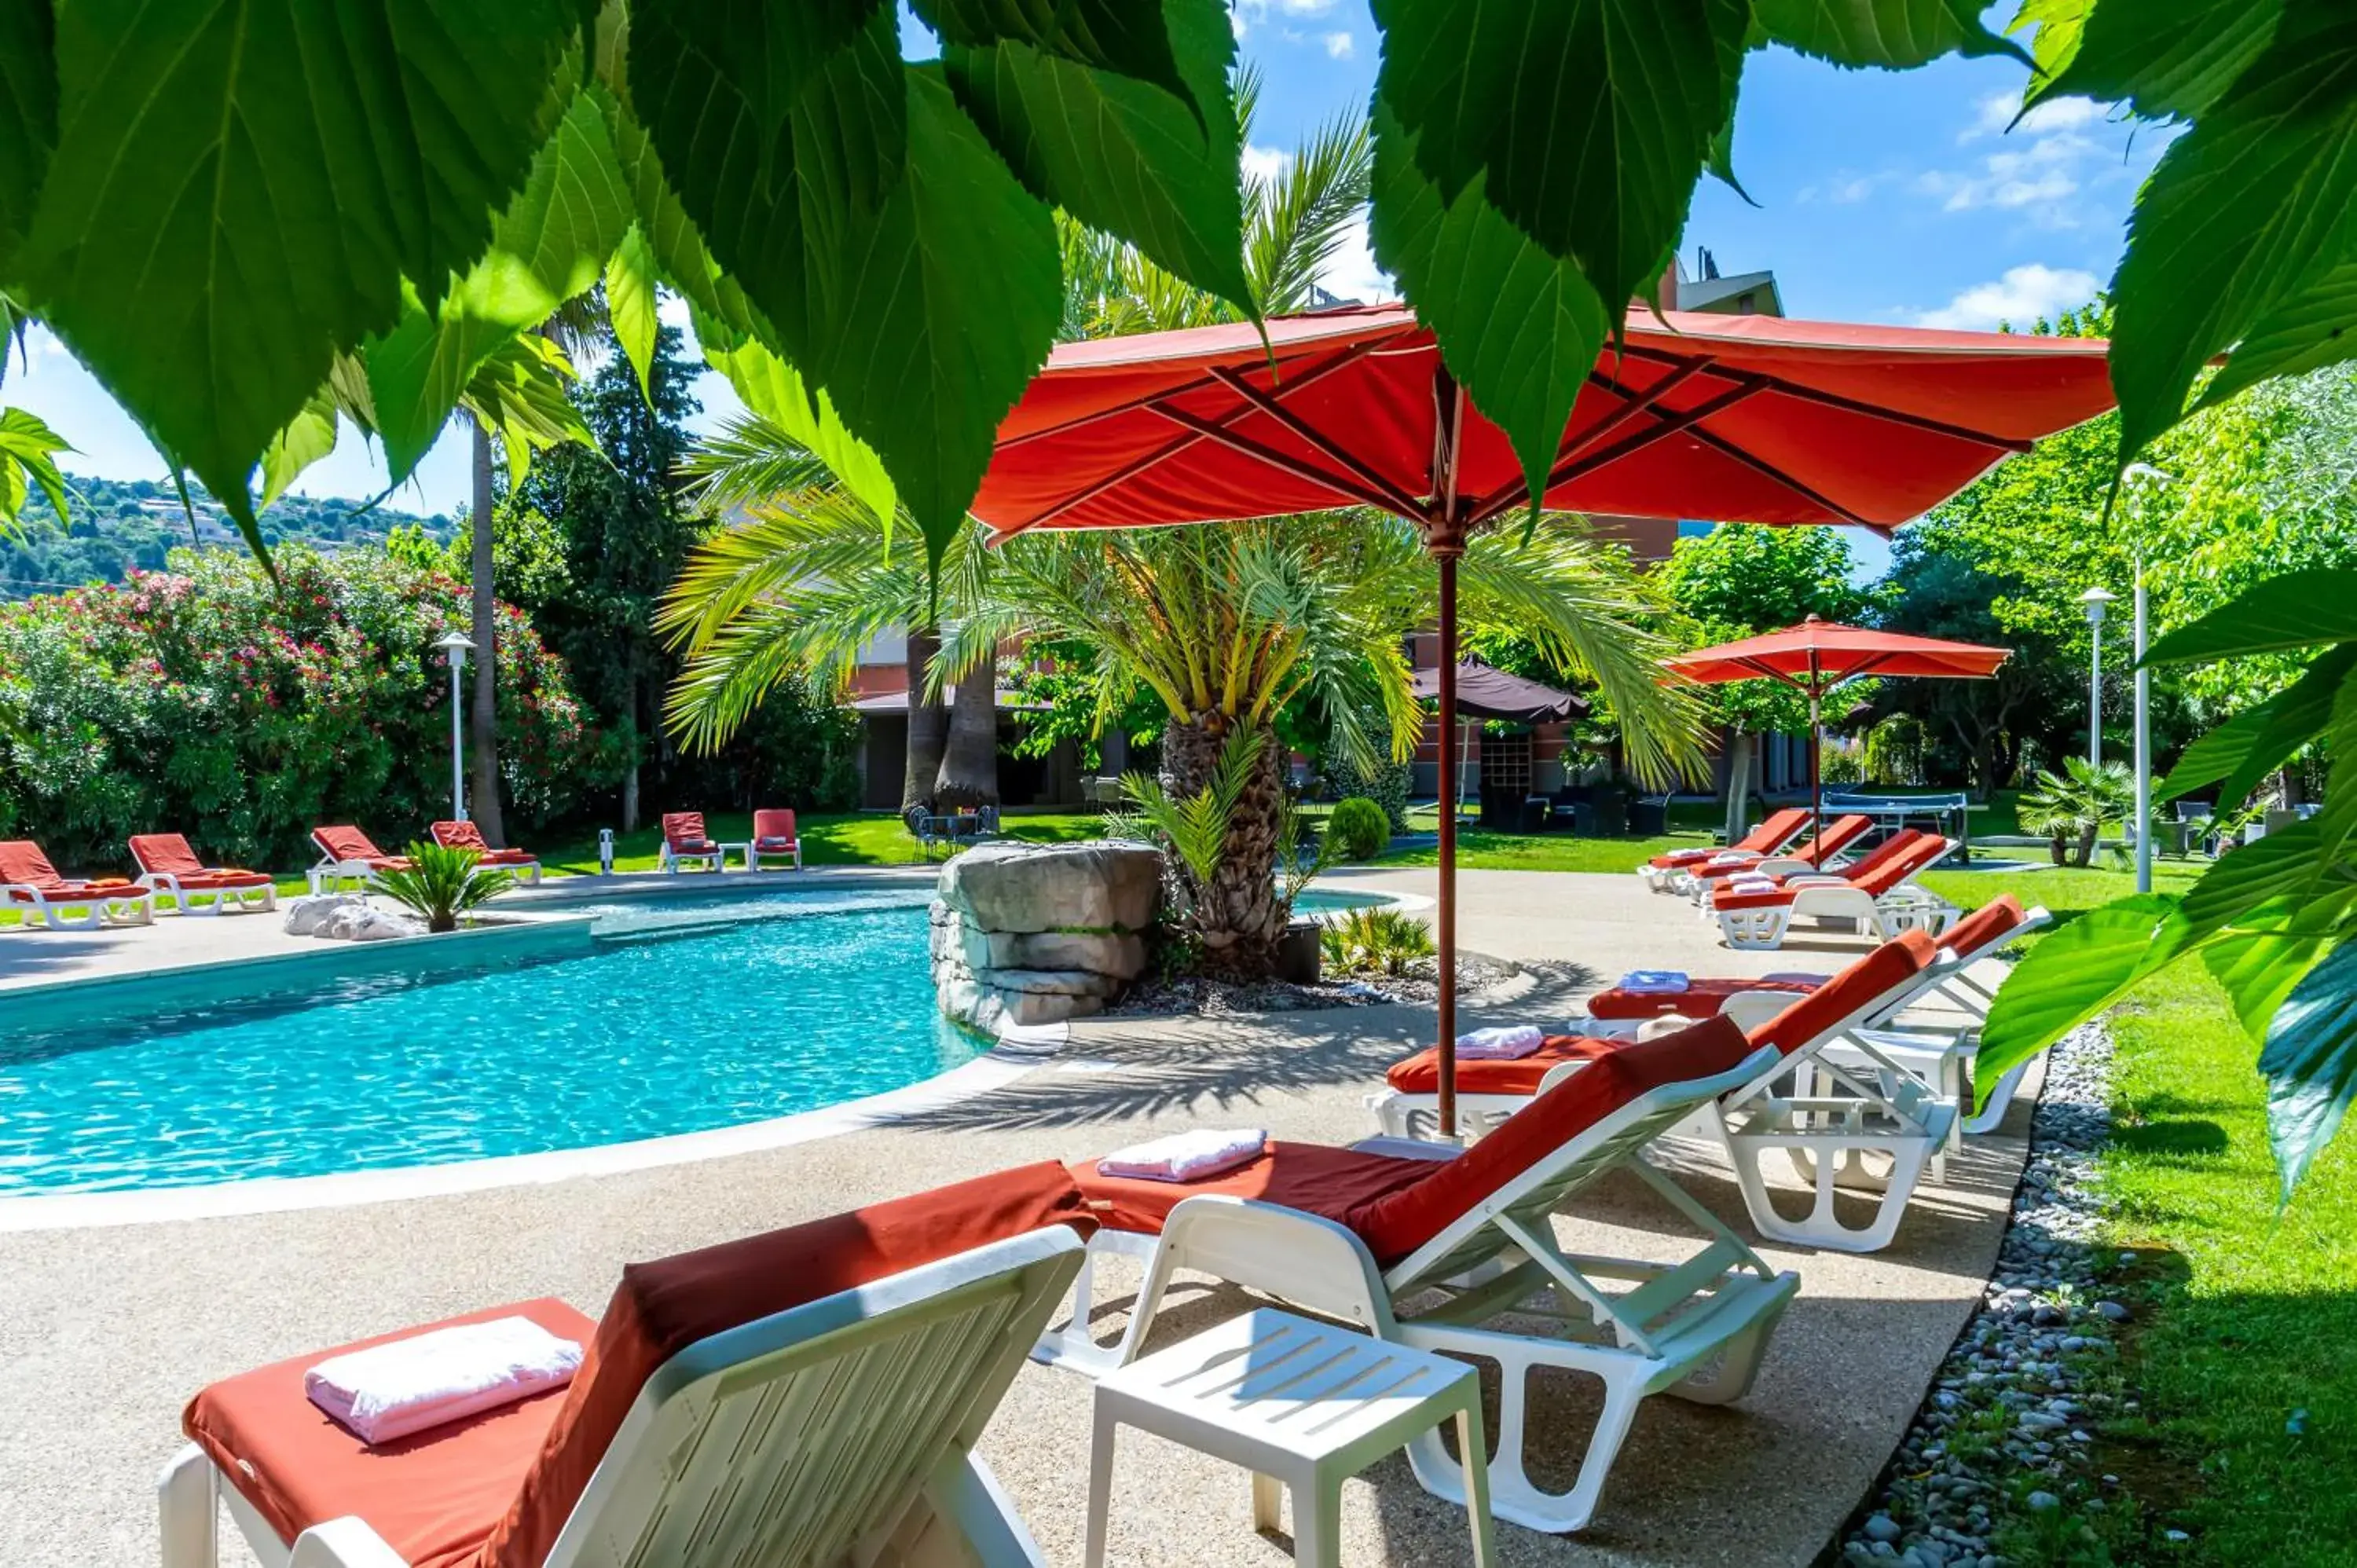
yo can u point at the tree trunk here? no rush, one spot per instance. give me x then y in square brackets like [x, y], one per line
[631, 774]
[1738, 783]
[2085, 853]
[969, 770]
[929, 723]
[1238, 915]
[483, 763]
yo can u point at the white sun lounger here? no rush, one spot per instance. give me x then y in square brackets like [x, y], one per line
[1697, 1328]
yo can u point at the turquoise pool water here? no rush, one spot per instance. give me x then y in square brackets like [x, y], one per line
[688, 1014]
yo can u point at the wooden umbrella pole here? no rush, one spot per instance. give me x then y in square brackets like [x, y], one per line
[1445, 918]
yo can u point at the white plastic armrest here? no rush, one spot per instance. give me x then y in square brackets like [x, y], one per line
[346, 1542]
[1306, 1259]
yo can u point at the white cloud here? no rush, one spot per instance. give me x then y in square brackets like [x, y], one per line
[1264, 164]
[1993, 115]
[1337, 46]
[1245, 15]
[1351, 271]
[2022, 296]
[2035, 178]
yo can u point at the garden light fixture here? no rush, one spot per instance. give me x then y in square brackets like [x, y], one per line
[455, 648]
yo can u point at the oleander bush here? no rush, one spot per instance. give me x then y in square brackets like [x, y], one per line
[207, 700]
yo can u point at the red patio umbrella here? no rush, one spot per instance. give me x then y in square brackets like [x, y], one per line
[1737, 418]
[1817, 655]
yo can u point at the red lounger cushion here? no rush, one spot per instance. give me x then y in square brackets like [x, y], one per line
[1765, 898]
[1702, 998]
[684, 830]
[167, 854]
[224, 880]
[67, 892]
[1778, 827]
[773, 829]
[1395, 1205]
[350, 843]
[661, 1309]
[467, 835]
[1992, 922]
[1885, 968]
[435, 1497]
[1420, 1074]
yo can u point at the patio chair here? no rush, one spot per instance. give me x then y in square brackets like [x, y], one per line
[1780, 871]
[808, 1396]
[1454, 1251]
[346, 854]
[774, 834]
[1874, 897]
[1814, 854]
[1853, 1120]
[31, 885]
[169, 866]
[1765, 839]
[684, 840]
[521, 864]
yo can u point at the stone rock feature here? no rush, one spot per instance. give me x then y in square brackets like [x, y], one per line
[1028, 934]
[347, 917]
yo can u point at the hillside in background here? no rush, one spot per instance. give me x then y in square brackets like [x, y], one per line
[119, 524]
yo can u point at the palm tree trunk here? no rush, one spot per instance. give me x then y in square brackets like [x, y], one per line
[482, 739]
[928, 723]
[969, 770]
[1738, 782]
[1238, 915]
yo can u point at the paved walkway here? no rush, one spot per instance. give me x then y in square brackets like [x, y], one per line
[104, 1333]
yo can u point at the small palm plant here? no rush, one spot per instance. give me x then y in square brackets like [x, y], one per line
[1194, 828]
[2070, 810]
[1380, 941]
[441, 883]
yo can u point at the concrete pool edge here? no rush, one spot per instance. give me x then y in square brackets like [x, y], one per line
[271, 1195]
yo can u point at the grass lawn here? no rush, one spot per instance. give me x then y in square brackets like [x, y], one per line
[2244, 1345]
[862, 838]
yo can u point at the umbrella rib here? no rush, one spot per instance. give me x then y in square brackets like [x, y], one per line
[1508, 495]
[1317, 370]
[1671, 424]
[1310, 435]
[1283, 462]
[1848, 404]
[1690, 421]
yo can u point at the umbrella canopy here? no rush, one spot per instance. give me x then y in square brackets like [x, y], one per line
[1486, 691]
[1732, 418]
[1818, 655]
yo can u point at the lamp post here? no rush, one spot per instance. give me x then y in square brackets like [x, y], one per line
[2143, 473]
[455, 648]
[2093, 601]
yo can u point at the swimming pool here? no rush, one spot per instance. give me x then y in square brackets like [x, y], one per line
[685, 1015]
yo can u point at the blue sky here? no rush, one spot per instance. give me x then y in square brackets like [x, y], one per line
[1882, 197]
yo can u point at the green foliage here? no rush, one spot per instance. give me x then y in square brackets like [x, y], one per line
[1195, 827]
[1387, 784]
[1360, 829]
[2073, 806]
[442, 882]
[207, 701]
[1381, 939]
[1739, 580]
[29, 450]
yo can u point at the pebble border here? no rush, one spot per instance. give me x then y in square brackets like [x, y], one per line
[2000, 1445]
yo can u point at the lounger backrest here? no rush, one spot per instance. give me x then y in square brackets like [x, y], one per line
[1986, 929]
[460, 835]
[782, 1394]
[1870, 986]
[164, 855]
[345, 843]
[683, 827]
[21, 860]
[1837, 835]
[1927, 851]
[1780, 826]
[1880, 855]
[1561, 1142]
[774, 823]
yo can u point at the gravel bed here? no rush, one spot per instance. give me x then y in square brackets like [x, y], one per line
[1999, 1448]
[1198, 997]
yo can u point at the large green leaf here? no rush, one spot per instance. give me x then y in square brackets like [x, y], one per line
[772, 389]
[2298, 609]
[2285, 865]
[1894, 33]
[2259, 963]
[2306, 332]
[28, 113]
[634, 304]
[2245, 213]
[1119, 155]
[521, 390]
[309, 437]
[2261, 738]
[1586, 122]
[239, 188]
[1119, 38]
[670, 235]
[2074, 974]
[2310, 1064]
[29, 451]
[1519, 329]
[2059, 24]
[2166, 57]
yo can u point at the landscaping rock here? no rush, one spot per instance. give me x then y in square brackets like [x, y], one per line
[1100, 889]
[306, 915]
[1121, 955]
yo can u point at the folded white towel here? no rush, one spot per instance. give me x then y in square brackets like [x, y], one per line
[394, 1390]
[1510, 1043]
[1753, 884]
[1655, 982]
[1187, 1156]
[1796, 977]
[1732, 857]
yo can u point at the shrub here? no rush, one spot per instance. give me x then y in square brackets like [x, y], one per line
[210, 701]
[1387, 786]
[441, 883]
[1381, 940]
[1358, 829]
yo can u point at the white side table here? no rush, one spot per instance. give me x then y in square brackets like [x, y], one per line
[1298, 1403]
[744, 849]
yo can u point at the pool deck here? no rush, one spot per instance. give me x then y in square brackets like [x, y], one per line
[106, 1331]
